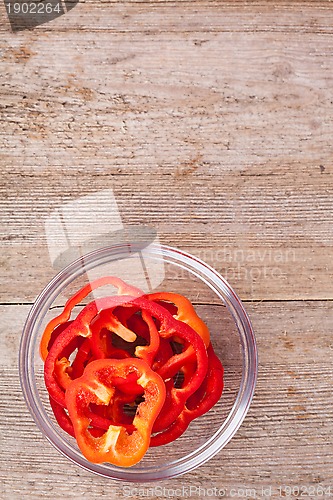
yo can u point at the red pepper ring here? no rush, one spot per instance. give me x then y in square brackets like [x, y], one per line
[123, 289]
[174, 400]
[107, 320]
[83, 356]
[164, 353]
[198, 404]
[97, 386]
[195, 349]
[61, 417]
[115, 412]
[169, 328]
[62, 367]
[97, 422]
[185, 311]
[65, 422]
[194, 353]
[80, 327]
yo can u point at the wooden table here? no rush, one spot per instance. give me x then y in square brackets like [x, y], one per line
[212, 122]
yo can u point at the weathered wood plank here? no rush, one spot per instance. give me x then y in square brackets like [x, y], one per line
[196, 16]
[224, 147]
[285, 439]
[271, 237]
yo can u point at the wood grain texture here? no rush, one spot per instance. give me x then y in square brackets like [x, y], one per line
[285, 439]
[242, 116]
[200, 16]
[270, 236]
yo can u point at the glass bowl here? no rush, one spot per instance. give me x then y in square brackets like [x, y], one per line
[154, 268]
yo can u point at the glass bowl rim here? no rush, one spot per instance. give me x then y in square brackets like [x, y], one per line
[226, 294]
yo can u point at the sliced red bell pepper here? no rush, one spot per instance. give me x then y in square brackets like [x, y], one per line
[182, 309]
[99, 421]
[198, 404]
[161, 331]
[63, 370]
[163, 354]
[80, 327]
[82, 358]
[194, 347]
[57, 331]
[123, 289]
[62, 417]
[98, 385]
[107, 321]
[176, 389]
[194, 352]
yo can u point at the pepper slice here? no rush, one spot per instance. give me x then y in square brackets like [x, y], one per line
[107, 322]
[98, 385]
[198, 404]
[194, 347]
[175, 396]
[194, 352]
[123, 289]
[80, 327]
[184, 311]
[61, 417]
[100, 421]
[82, 358]
[96, 371]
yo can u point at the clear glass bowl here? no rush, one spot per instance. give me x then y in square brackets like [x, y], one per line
[154, 268]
